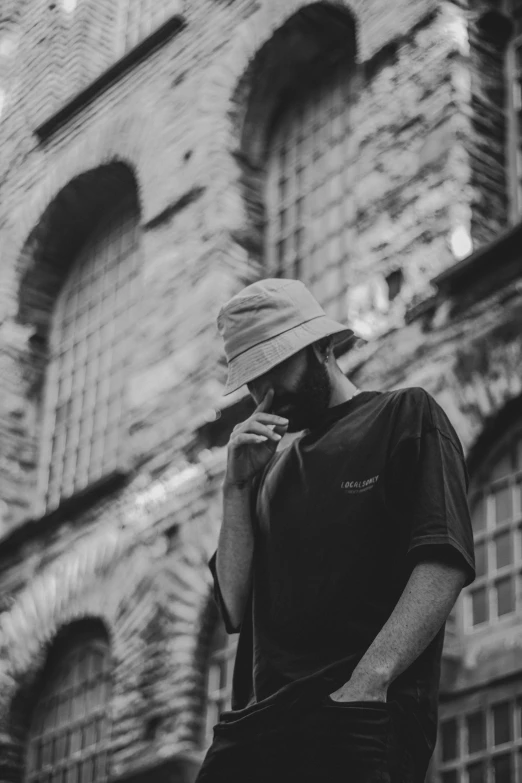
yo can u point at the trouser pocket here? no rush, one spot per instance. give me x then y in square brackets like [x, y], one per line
[355, 738]
[375, 738]
[321, 743]
[367, 704]
[359, 724]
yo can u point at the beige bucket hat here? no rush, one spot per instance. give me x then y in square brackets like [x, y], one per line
[266, 323]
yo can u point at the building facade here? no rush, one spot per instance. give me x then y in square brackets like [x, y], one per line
[154, 159]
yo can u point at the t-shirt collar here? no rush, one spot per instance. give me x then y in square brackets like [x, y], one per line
[338, 411]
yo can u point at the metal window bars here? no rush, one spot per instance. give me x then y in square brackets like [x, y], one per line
[84, 398]
[309, 200]
[70, 726]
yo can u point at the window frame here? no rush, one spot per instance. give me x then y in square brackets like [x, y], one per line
[301, 206]
[481, 701]
[126, 207]
[78, 648]
[484, 486]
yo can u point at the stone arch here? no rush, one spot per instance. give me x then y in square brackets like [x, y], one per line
[314, 32]
[219, 158]
[45, 261]
[234, 222]
[217, 93]
[26, 694]
[482, 388]
[63, 225]
[73, 587]
[496, 427]
[105, 163]
[225, 96]
[316, 37]
[119, 140]
[89, 587]
[159, 615]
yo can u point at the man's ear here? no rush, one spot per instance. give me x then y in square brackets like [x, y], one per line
[323, 349]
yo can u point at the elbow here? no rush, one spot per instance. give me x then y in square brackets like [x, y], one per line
[234, 613]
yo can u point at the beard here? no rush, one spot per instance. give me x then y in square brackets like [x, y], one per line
[311, 398]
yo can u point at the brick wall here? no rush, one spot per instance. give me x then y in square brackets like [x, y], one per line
[174, 127]
[187, 247]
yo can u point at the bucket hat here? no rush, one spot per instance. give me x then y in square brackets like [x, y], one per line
[266, 323]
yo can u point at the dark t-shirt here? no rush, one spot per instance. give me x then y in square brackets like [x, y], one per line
[340, 518]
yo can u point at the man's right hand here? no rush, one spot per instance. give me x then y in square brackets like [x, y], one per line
[253, 443]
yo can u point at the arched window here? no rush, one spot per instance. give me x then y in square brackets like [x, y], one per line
[83, 438]
[480, 732]
[480, 738]
[514, 71]
[309, 232]
[219, 678]
[69, 730]
[496, 507]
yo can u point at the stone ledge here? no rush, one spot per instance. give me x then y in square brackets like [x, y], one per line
[159, 37]
[35, 527]
[500, 252]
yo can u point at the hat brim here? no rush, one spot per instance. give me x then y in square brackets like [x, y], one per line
[262, 358]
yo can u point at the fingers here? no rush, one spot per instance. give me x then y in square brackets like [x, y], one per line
[281, 428]
[254, 427]
[248, 438]
[261, 427]
[266, 402]
[270, 418]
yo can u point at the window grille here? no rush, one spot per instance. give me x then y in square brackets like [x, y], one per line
[482, 743]
[69, 733]
[85, 386]
[219, 679]
[310, 210]
[496, 509]
[514, 71]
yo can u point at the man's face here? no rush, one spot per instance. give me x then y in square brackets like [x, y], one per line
[302, 389]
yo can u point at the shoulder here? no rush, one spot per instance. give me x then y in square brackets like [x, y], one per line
[417, 412]
[411, 400]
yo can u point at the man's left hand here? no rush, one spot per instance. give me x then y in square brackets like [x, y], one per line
[360, 690]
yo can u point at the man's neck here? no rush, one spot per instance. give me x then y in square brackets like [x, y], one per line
[342, 390]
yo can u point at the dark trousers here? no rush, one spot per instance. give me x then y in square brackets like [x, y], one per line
[324, 742]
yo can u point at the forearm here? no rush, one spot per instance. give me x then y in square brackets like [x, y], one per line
[422, 609]
[235, 550]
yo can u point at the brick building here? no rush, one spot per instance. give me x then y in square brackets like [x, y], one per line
[154, 158]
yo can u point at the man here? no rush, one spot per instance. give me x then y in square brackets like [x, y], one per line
[339, 557]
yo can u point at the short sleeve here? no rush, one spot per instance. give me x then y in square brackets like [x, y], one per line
[218, 597]
[428, 484]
